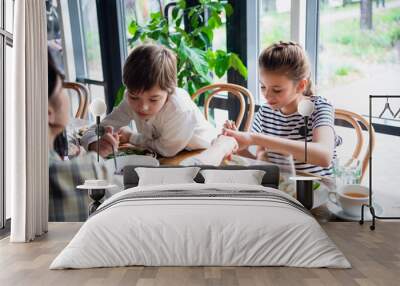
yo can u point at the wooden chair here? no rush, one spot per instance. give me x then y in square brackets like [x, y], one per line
[357, 121]
[83, 98]
[240, 92]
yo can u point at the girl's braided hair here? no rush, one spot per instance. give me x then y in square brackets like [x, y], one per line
[290, 59]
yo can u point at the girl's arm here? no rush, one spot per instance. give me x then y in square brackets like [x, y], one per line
[319, 151]
[246, 153]
[222, 147]
[229, 124]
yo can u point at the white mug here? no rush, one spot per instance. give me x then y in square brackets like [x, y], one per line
[350, 198]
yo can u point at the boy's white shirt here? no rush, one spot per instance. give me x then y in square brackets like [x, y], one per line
[177, 126]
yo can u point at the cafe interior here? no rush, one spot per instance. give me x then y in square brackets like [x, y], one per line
[236, 142]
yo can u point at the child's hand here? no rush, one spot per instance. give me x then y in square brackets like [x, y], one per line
[260, 154]
[227, 144]
[229, 124]
[107, 142]
[243, 139]
[124, 134]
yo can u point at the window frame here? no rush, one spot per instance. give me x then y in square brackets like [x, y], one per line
[112, 54]
[304, 17]
[312, 35]
[312, 44]
[79, 47]
[6, 39]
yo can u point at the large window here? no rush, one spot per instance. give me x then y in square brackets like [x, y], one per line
[356, 60]
[85, 38]
[141, 10]
[274, 21]
[359, 55]
[6, 43]
[91, 40]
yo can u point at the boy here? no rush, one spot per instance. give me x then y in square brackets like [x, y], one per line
[167, 120]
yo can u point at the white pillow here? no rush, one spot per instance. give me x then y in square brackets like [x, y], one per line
[166, 176]
[248, 177]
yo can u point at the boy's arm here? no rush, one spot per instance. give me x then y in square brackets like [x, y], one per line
[175, 135]
[121, 116]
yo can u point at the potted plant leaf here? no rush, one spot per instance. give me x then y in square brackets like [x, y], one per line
[189, 32]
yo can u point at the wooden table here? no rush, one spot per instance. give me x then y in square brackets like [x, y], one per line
[176, 160]
[321, 213]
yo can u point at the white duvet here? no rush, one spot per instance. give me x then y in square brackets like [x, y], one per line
[206, 230]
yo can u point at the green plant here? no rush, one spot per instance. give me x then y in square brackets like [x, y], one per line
[342, 71]
[347, 38]
[197, 62]
[395, 36]
[315, 185]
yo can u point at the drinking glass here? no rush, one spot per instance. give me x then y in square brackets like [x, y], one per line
[285, 163]
[347, 171]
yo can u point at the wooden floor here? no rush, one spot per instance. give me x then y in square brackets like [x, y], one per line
[375, 257]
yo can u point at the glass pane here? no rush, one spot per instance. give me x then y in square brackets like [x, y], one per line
[1, 134]
[1, 15]
[97, 92]
[219, 43]
[54, 33]
[92, 41]
[220, 116]
[8, 80]
[355, 62]
[274, 21]
[9, 15]
[219, 40]
[140, 10]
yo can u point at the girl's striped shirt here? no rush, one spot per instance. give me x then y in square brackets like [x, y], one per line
[275, 123]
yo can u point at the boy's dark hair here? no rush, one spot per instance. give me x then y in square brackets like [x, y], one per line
[150, 65]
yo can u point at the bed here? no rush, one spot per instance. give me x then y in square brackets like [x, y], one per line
[201, 224]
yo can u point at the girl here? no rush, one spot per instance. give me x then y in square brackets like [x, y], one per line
[285, 81]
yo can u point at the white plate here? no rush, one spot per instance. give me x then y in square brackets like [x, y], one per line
[338, 211]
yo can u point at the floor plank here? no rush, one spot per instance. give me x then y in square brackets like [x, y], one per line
[375, 257]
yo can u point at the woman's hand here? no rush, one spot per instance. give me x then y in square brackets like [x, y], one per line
[244, 139]
[124, 134]
[107, 142]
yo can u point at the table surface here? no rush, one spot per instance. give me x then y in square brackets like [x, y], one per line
[176, 160]
[321, 213]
